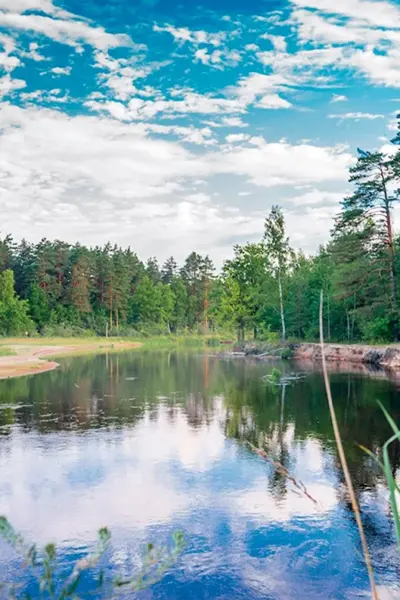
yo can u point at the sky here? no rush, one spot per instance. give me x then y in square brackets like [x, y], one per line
[171, 127]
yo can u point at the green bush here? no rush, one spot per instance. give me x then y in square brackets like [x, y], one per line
[66, 330]
[286, 353]
[376, 330]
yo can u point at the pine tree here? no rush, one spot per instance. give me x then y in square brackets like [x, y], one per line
[39, 309]
[80, 285]
[169, 270]
[366, 220]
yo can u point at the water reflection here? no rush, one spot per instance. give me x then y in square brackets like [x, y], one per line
[147, 443]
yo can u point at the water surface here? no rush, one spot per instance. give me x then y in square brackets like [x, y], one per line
[148, 443]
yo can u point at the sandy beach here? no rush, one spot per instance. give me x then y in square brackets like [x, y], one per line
[35, 356]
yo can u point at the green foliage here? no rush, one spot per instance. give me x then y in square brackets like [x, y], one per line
[14, 318]
[42, 565]
[39, 309]
[286, 353]
[275, 375]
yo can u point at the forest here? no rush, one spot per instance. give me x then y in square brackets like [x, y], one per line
[267, 291]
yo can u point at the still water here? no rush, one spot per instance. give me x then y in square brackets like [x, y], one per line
[150, 443]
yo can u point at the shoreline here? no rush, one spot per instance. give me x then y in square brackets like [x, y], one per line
[30, 356]
[385, 357]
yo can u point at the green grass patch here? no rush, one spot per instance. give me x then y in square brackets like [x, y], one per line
[4, 351]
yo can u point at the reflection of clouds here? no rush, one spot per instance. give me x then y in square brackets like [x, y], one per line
[195, 449]
[164, 474]
[75, 484]
[259, 503]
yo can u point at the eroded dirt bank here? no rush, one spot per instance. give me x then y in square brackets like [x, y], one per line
[381, 356]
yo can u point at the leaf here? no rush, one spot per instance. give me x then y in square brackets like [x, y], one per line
[50, 550]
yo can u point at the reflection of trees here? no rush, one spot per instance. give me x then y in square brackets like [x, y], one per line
[254, 413]
[119, 389]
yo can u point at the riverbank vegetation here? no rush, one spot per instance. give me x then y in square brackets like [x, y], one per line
[266, 289]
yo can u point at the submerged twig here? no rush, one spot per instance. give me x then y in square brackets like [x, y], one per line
[343, 460]
[299, 485]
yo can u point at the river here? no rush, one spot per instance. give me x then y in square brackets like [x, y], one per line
[148, 443]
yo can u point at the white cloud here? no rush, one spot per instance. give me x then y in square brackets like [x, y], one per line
[382, 69]
[305, 66]
[7, 62]
[233, 122]
[375, 13]
[61, 70]
[353, 27]
[260, 88]
[198, 198]
[356, 116]
[271, 164]
[20, 6]
[272, 101]
[217, 58]
[8, 85]
[252, 48]
[236, 137]
[183, 34]
[209, 48]
[338, 98]
[66, 31]
[201, 136]
[278, 41]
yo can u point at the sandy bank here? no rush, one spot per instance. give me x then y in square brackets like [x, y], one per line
[30, 356]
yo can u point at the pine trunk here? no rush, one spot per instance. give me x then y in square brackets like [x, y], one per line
[392, 268]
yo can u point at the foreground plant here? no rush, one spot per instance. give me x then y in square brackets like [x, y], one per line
[387, 470]
[42, 566]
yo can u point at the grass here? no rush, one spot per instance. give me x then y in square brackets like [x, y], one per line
[185, 341]
[59, 341]
[4, 351]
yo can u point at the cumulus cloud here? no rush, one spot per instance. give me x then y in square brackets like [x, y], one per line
[372, 12]
[362, 35]
[65, 31]
[272, 164]
[61, 70]
[87, 176]
[56, 24]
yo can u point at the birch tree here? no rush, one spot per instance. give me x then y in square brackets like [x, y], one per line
[278, 253]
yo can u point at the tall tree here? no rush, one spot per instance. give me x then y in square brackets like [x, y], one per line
[243, 278]
[14, 318]
[366, 214]
[278, 252]
[169, 270]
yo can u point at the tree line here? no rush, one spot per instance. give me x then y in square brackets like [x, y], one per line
[267, 290]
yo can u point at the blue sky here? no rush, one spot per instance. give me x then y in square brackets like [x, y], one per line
[174, 127]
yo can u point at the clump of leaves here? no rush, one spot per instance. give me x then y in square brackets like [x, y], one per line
[42, 564]
[275, 376]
